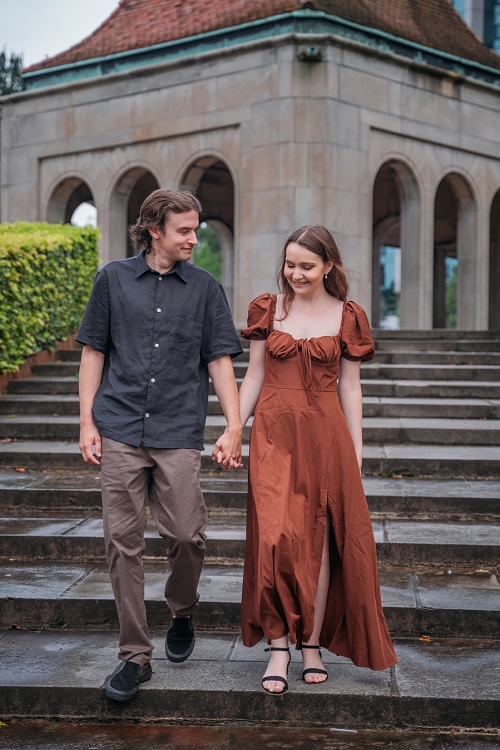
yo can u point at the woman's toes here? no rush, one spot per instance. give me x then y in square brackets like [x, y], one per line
[273, 687]
[318, 678]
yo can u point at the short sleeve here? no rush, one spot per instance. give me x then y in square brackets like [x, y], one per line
[95, 326]
[356, 339]
[259, 320]
[219, 337]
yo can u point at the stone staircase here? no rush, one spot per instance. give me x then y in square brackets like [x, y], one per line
[431, 469]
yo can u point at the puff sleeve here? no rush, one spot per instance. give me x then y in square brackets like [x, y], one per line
[356, 340]
[259, 322]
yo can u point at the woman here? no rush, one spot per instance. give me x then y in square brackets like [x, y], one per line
[310, 567]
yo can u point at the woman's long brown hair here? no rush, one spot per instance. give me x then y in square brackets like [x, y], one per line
[319, 241]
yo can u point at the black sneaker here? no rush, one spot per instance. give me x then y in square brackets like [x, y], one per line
[124, 684]
[179, 643]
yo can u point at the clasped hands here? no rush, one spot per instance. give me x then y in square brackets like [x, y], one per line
[227, 449]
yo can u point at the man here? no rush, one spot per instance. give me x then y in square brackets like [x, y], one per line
[155, 327]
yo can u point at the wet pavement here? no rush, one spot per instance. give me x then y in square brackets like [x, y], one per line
[51, 736]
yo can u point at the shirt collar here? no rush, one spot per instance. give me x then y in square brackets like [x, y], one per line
[141, 267]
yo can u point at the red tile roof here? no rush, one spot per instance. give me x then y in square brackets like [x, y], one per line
[141, 23]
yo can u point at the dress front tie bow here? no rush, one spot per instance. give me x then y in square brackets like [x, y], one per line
[309, 377]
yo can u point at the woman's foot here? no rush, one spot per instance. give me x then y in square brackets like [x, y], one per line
[311, 659]
[277, 667]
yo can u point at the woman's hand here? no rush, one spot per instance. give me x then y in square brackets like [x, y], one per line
[227, 449]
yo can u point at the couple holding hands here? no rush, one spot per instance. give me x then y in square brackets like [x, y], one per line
[155, 328]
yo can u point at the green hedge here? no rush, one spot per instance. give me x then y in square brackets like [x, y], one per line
[46, 275]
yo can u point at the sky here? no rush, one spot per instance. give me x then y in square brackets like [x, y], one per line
[40, 28]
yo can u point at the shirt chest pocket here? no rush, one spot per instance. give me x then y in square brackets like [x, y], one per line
[185, 331]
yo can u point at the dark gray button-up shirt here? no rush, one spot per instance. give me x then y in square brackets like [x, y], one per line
[158, 333]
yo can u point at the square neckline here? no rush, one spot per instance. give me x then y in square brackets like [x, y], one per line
[272, 314]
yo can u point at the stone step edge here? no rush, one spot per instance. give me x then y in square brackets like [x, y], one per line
[411, 506]
[246, 707]
[403, 621]
[383, 460]
[231, 551]
[215, 420]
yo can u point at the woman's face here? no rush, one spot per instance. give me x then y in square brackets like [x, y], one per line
[304, 270]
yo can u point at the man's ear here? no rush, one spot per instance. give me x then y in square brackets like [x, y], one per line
[155, 232]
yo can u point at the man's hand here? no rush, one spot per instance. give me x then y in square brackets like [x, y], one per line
[227, 449]
[89, 437]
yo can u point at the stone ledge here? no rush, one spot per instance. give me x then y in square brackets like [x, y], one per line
[220, 684]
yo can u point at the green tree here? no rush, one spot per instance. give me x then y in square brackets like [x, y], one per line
[207, 253]
[11, 76]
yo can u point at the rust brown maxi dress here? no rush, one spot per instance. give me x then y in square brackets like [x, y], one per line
[302, 467]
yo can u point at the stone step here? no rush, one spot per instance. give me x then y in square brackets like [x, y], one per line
[46, 386]
[436, 431]
[42, 492]
[425, 344]
[375, 429]
[430, 372]
[426, 389]
[376, 370]
[59, 405]
[389, 430]
[384, 460]
[442, 408]
[400, 543]
[437, 358]
[420, 347]
[373, 406]
[371, 387]
[69, 355]
[49, 427]
[406, 371]
[56, 369]
[436, 333]
[460, 604]
[75, 355]
[221, 684]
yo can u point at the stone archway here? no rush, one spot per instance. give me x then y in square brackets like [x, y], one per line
[130, 190]
[69, 194]
[395, 255]
[454, 253]
[494, 285]
[209, 178]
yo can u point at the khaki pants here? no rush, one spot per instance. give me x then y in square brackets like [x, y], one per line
[170, 480]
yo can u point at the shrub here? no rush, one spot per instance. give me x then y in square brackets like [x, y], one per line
[46, 275]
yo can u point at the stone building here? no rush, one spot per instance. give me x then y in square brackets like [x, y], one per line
[377, 118]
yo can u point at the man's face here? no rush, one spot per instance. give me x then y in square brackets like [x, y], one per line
[178, 238]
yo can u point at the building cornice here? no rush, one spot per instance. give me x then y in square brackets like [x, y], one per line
[301, 26]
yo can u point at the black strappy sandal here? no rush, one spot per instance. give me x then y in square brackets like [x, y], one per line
[314, 670]
[277, 678]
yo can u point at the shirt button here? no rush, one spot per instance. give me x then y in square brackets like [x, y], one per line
[158, 309]
[146, 415]
[156, 346]
[160, 278]
[153, 380]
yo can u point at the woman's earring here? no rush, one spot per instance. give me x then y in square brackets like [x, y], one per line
[326, 275]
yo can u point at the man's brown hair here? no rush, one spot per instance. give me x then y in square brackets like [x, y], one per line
[155, 212]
